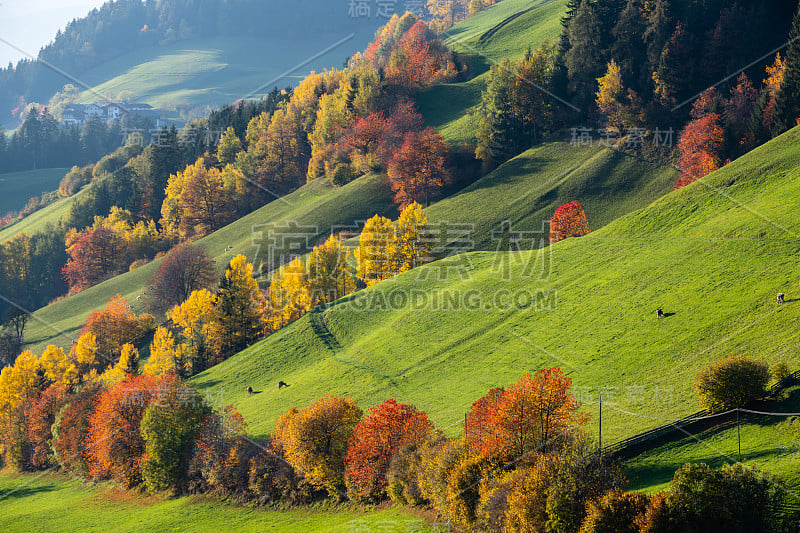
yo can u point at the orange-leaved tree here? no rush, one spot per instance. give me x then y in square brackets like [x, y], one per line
[419, 169]
[532, 415]
[315, 439]
[116, 325]
[375, 440]
[701, 149]
[114, 444]
[569, 220]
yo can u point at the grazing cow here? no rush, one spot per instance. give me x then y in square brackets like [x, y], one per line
[281, 385]
[659, 313]
[779, 299]
[249, 390]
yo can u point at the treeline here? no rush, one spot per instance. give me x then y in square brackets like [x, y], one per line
[42, 142]
[523, 462]
[634, 68]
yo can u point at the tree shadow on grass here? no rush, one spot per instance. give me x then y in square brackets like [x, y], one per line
[12, 493]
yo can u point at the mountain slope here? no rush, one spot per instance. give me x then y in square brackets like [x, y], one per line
[18, 187]
[713, 255]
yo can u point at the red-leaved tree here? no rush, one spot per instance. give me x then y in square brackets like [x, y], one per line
[114, 443]
[569, 220]
[93, 257]
[40, 415]
[419, 169]
[73, 430]
[375, 439]
[701, 149]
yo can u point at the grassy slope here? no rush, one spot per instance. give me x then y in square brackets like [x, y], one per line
[216, 71]
[39, 220]
[696, 253]
[317, 205]
[31, 502]
[766, 441]
[18, 187]
[506, 29]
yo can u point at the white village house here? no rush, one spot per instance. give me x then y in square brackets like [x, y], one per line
[80, 113]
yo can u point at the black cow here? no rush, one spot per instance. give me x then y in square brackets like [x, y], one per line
[659, 313]
[281, 385]
[779, 299]
[249, 390]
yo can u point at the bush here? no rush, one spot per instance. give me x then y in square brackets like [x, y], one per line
[780, 372]
[272, 479]
[437, 458]
[463, 488]
[527, 499]
[169, 429]
[616, 512]
[14, 438]
[402, 476]
[342, 174]
[734, 498]
[315, 440]
[731, 383]
[490, 516]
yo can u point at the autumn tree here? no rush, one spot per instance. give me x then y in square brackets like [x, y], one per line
[609, 96]
[315, 440]
[290, 294]
[169, 428]
[165, 356]
[115, 325]
[71, 428]
[412, 245]
[194, 317]
[533, 414]
[185, 269]
[700, 145]
[616, 512]
[330, 276]
[374, 250]
[375, 440]
[731, 383]
[40, 415]
[92, 257]
[419, 170]
[114, 443]
[239, 309]
[128, 365]
[569, 220]
[229, 147]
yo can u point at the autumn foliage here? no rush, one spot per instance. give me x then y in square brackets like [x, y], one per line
[419, 170]
[115, 325]
[390, 426]
[700, 147]
[531, 415]
[569, 220]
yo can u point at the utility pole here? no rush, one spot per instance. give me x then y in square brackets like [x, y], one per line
[739, 433]
[601, 426]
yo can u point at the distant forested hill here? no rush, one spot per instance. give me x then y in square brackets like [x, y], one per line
[124, 26]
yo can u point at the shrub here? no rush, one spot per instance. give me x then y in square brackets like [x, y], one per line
[403, 486]
[780, 372]
[463, 486]
[315, 440]
[437, 458]
[616, 512]
[375, 440]
[490, 516]
[731, 383]
[169, 429]
[272, 479]
[14, 438]
[527, 499]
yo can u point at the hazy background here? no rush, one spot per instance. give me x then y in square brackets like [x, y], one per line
[31, 24]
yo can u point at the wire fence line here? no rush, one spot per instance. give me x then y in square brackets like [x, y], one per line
[698, 421]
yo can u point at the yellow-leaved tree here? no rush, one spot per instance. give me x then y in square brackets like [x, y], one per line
[84, 355]
[239, 318]
[412, 245]
[128, 365]
[374, 250]
[165, 356]
[20, 381]
[329, 274]
[58, 368]
[609, 94]
[289, 296]
[195, 316]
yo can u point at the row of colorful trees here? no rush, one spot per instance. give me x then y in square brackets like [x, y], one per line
[523, 463]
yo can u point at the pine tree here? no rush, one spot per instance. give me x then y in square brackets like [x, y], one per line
[657, 33]
[628, 50]
[239, 309]
[583, 60]
[787, 105]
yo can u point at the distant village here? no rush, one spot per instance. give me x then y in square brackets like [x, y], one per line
[80, 113]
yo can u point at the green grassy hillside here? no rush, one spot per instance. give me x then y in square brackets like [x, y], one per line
[505, 30]
[317, 205]
[525, 191]
[17, 187]
[767, 443]
[30, 501]
[713, 255]
[218, 70]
